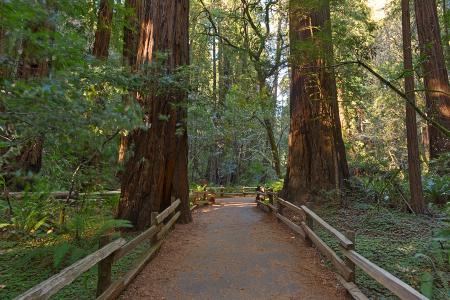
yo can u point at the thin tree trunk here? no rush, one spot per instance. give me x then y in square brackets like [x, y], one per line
[147, 182]
[103, 32]
[268, 124]
[435, 74]
[273, 146]
[415, 177]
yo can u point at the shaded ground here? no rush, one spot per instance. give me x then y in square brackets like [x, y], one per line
[233, 250]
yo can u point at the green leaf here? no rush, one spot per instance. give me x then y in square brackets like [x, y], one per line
[426, 284]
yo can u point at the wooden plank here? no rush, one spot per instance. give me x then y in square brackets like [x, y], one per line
[118, 286]
[386, 279]
[167, 226]
[263, 206]
[272, 207]
[104, 267]
[291, 206]
[343, 240]
[352, 289]
[125, 249]
[337, 262]
[162, 216]
[193, 207]
[51, 286]
[292, 225]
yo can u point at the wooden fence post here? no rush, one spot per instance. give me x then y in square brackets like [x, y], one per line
[104, 267]
[243, 191]
[270, 195]
[351, 235]
[222, 191]
[309, 222]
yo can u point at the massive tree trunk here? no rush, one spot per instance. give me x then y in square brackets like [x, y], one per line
[180, 186]
[103, 32]
[147, 182]
[415, 177]
[316, 158]
[130, 44]
[435, 74]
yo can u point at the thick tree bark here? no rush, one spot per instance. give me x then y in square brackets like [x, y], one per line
[130, 44]
[103, 32]
[316, 158]
[415, 176]
[147, 182]
[446, 32]
[435, 74]
[180, 186]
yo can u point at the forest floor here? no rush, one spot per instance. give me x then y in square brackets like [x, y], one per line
[399, 242]
[388, 237]
[233, 250]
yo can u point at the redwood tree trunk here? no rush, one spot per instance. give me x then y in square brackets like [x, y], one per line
[435, 74]
[130, 44]
[180, 186]
[415, 176]
[315, 161]
[103, 32]
[147, 182]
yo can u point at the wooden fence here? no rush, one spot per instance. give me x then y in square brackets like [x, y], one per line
[109, 253]
[345, 267]
[63, 195]
[220, 191]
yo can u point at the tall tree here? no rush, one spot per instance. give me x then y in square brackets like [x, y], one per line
[435, 74]
[415, 177]
[33, 62]
[130, 44]
[315, 160]
[103, 32]
[148, 179]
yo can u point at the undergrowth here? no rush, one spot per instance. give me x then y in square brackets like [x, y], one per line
[396, 241]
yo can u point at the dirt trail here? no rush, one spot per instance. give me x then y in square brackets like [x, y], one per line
[233, 250]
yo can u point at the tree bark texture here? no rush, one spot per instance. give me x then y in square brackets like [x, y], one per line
[415, 176]
[103, 32]
[147, 182]
[316, 159]
[180, 186]
[435, 74]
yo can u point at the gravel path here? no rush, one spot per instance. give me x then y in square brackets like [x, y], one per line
[233, 250]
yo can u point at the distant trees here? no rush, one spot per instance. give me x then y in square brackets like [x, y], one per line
[253, 37]
[33, 62]
[103, 32]
[437, 89]
[317, 158]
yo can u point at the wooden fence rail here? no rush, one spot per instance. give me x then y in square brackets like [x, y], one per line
[345, 267]
[63, 195]
[106, 256]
